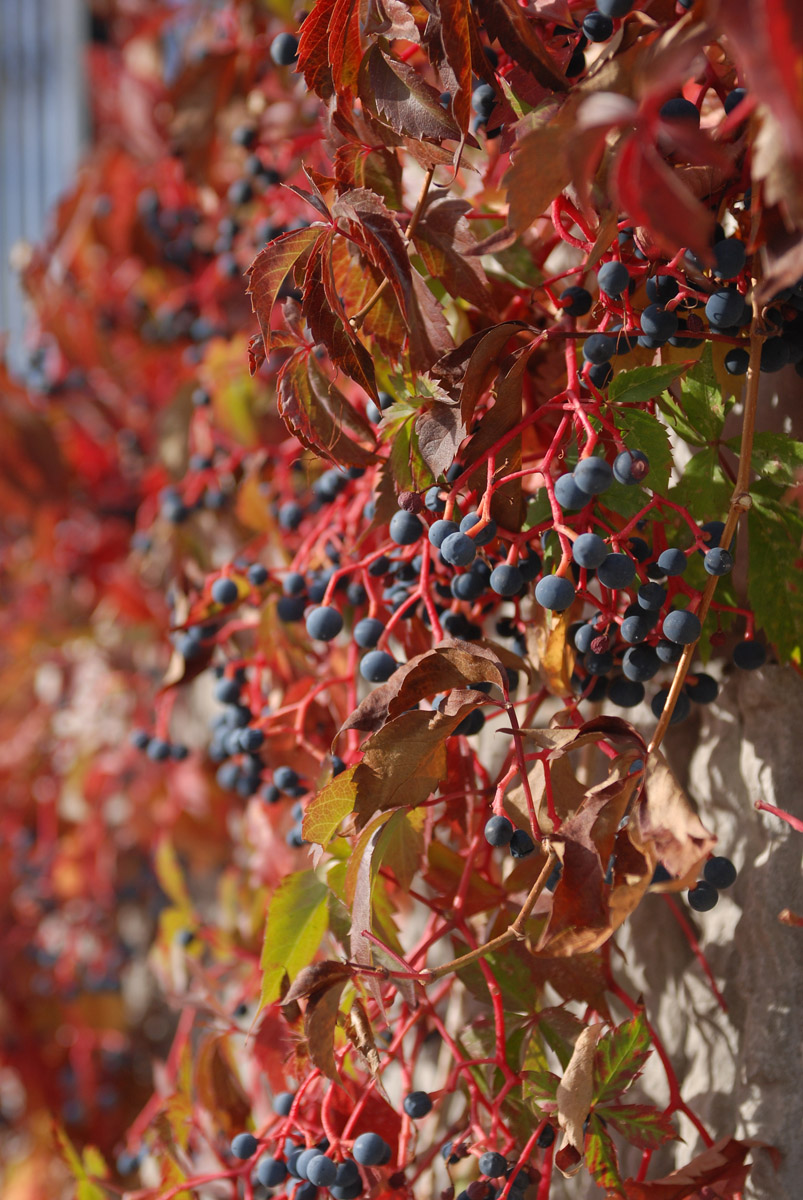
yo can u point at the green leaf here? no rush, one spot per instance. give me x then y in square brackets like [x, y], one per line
[775, 580]
[776, 458]
[559, 1029]
[702, 398]
[640, 430]
[675, 415]
[642, 1125]
[704, 488]
[640, 385]
[297, 920]
[326, 810]
[600, 1156]
[401, 845]
[620, 1057]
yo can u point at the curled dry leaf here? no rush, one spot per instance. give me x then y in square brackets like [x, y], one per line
[575, 1092]
[664, 820]
[358, 1030]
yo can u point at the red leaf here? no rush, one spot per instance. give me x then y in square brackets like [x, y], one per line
[721, 1165]
[444, 240]
[345, 49]
[456, 17]
[268, 272]
[327, 322]
[767, 36]
[507, 21]
[313, 49]
[316, 411]
[397, 95]
[653, 196]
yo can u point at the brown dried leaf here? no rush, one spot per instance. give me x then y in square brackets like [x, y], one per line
[218, 1085]
[664, 821]
[320, 1022]
[575, 1092]
[315, 978]
[540, 167]
[358, 1030]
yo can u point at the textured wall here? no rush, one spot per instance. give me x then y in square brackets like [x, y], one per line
[742, 1071]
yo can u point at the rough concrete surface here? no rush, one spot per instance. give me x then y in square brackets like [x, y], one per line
[740, 1072]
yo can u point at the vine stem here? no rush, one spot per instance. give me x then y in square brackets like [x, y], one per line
[356, 321]
[514, 931]
[762, 806]
[740, 503]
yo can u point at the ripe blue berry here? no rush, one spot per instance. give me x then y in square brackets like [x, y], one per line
[257, 574]
[737, 361]
[270, 1172]
[285, 779]
[725, 308]
[547, 1135]
[733, 98]
[635, 628]
[377, 666]
[640, 663]
[615, 8]
[158, 749]
[243, 1145]
[458, 549]
[417, 1105]
[662, 288]
[616, 571]
[672, 562]
[367, 632]
[680, 109]
[224, 591]
[576, 301]
[597, 27]
[668, 652]
[589, 550]
[593, 475]
[749, 655]
[470, 725]
[651, 597]
[324, 623]
[554, 593]
[729, 258]
[485, 535]
[718, 561]
[370, 1150]
[405, 528]
[521, 845]
[625, 693]
[440, 530]
[630, 467]
[704, 690]
[498, 831]
[681, 627]
[569, 494]
[506, 580]
[681, 709]
[613, 278]
[492, 1164]
[284, 49]
[599, 348]
[659, 323]
[322, 1171]
[774, 355]
[719, 872]
[703, 896]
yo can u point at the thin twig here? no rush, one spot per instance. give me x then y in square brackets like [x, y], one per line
[740, 503]
[514, 931]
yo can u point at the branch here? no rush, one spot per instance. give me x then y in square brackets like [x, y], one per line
[514, 932]
[740, 502]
